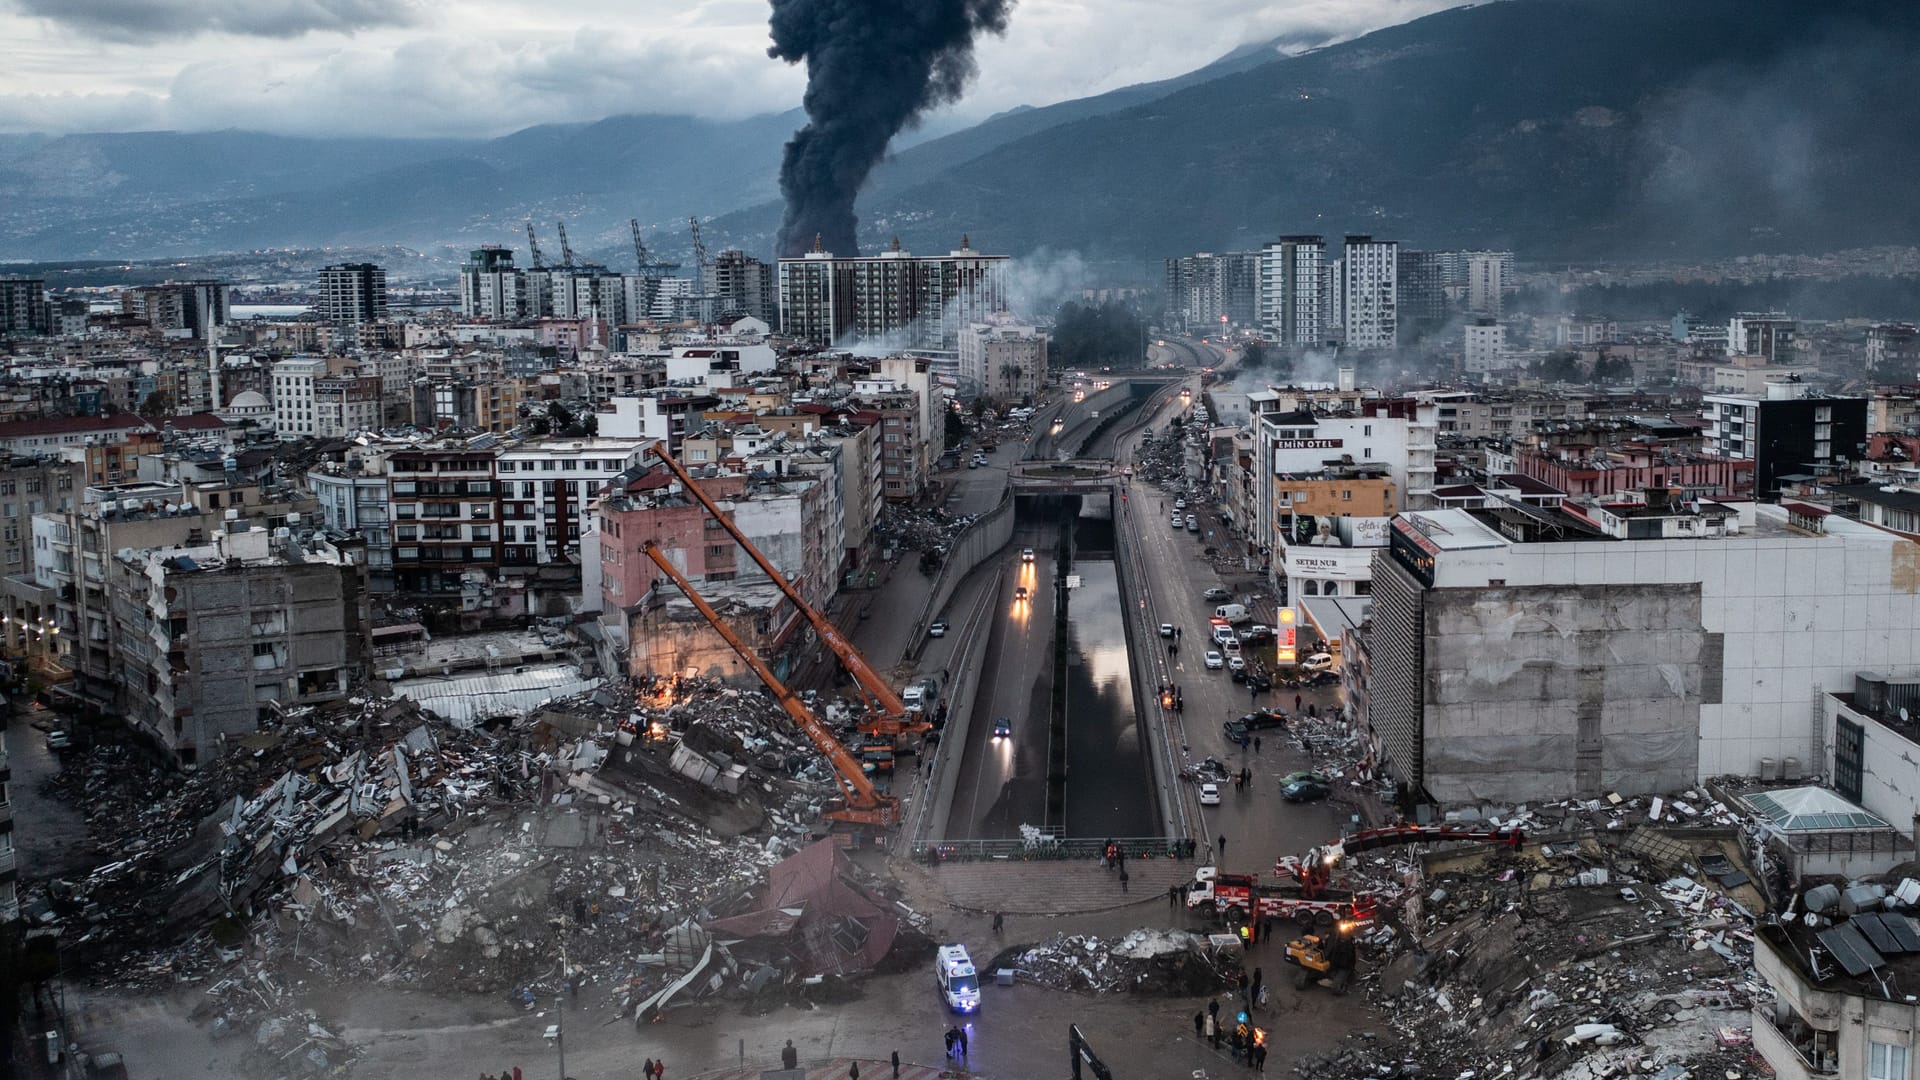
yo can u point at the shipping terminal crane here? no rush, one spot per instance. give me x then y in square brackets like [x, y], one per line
[533, 248]
[885, 714]
[865, 804]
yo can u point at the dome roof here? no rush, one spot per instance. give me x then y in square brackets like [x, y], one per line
[249, 399]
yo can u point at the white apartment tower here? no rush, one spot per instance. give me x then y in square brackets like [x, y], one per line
[1487, 274]
[1369, 288]
[294, 404]
[1291, 304]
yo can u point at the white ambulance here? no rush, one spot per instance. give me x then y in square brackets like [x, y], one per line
[959, 984]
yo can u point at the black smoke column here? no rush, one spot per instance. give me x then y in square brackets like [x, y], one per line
[873, 67]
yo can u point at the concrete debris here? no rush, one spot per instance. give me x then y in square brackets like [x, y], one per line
[373, 840]
[1608, 949]
[1145, 961]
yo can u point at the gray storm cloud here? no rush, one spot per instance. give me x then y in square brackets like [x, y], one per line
[138, 19]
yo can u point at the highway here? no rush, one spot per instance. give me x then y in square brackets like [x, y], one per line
[1003, 782]
[1259, 825]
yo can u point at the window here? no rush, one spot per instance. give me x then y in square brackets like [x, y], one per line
[1886, 1061]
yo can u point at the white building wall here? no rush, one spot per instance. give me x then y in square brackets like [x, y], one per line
[1486, 348]
[1799, 614]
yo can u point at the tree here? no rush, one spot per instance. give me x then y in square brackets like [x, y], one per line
[158, 404]
[1562, 366]
[956, 429]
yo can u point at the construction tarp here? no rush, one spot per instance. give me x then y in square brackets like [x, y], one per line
[827, 920]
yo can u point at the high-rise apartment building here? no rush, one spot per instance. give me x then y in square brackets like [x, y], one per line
[744, 284]
[1210, 289]
[1785, 433]
[1893, 351]
[1427, 297]
[1487, 281]
[491, 287]
[1290, 295]
[23, 307]
[295, 401]
[196, 309]
[1769, 334]
[894, 299]
[1369, 287]
[352, 293]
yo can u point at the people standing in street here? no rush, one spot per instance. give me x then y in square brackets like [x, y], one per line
[1253, 989]
[646, 1068]
[1256, 744]
[963, 1044]
[789, 1057]
[1199, 1024]
[951, 1032]
[1223, 853]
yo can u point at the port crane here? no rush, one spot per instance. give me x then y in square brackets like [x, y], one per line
[864, 804]
[566, 249]
[700, 283]
[642, 258]
[533, 248]
[885, 714]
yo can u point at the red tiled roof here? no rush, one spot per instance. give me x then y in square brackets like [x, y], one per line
[204, 421]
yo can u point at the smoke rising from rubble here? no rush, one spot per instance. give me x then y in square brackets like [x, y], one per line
[874, 67]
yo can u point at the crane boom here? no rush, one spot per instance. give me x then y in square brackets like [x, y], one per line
[865, 804]
[639, 247]
[533, 248]
[886, 713]
[1315, 870]
[699, 258]
[566, 249]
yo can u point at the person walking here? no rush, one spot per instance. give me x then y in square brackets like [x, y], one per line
[1256, 744]
[1296, 703]
[789, 1057]
[646, 1068]
[963, 1044]
[1123, 877]
[1223, 854]
[853, 1071]
[950, 1034]
[1199, 1024]
[1253, 988]
[896, 1065]
[999, 921]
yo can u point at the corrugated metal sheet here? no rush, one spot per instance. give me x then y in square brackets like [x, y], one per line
[470, 697]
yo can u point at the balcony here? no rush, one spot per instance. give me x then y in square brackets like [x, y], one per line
[1794, 1057]
[9, 865]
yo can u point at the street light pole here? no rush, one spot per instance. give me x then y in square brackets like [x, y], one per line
[560, 1015]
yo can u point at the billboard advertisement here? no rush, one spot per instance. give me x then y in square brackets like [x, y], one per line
[1338, 530]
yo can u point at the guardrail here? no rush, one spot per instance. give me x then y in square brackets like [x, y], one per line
[976, 543]
[1052, 847]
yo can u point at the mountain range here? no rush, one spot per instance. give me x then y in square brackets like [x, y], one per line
[1560, 128]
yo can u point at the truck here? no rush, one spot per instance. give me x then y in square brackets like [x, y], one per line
[1235, 614]
[1246, 896]
[959, 983]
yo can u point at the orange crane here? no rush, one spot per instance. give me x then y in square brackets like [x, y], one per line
[885, 713]
[865, 804]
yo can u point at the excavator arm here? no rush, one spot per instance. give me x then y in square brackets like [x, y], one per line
[865, 804]
[886, 715]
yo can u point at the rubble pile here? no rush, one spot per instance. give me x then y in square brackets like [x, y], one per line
[909, 528]
[1146, 961]
[1605, 955]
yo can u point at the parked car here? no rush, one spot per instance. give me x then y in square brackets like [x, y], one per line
[1003, 728]
[1193, 523]
[1166, 629]
[1209, 794]
[938, 629]
[1260, 681]
[1216, 593]
[1305, 791]
[1317, 662]
[1215, 661]
[1256, 633]
[1234, 730]
[1179, 504]
[59, 739]
[1231, 647]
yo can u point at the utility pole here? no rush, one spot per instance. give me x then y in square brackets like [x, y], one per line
[560, 1012]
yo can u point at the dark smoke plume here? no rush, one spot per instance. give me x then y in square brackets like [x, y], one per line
[873, 67]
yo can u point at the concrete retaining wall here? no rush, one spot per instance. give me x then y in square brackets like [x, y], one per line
[976, 543]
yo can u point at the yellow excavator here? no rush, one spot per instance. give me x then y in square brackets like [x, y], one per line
[1327, 958]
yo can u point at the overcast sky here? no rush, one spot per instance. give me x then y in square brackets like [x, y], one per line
[487, 67]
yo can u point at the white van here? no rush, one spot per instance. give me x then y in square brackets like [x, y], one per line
[959, 984]
[1233, 613]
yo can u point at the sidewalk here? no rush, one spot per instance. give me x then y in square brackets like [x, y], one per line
[840, 1068]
